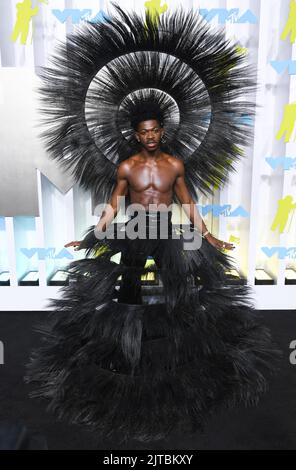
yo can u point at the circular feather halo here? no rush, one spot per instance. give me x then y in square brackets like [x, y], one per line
[100, 76]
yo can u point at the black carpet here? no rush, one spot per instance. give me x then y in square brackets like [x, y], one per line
[271, 425]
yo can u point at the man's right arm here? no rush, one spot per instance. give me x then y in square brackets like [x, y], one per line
[121, 189]
[112, 207]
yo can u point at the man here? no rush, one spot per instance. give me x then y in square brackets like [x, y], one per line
[141, 371]
[152, 177]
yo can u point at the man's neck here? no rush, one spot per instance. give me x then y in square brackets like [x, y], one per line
[155, 154]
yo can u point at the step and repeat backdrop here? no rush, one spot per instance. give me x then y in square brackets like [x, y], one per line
[41, 208]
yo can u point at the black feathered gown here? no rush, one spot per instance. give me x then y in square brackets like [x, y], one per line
[139, 367]
[120, 361]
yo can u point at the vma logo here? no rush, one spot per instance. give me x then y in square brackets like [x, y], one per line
[76, 15]
[45, 253]
[234, 15]
[279, 251]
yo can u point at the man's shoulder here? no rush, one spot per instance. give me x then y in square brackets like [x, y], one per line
[175, 161]
[133, 159]
[126, 164]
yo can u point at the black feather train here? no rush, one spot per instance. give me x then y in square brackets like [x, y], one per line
[136, 368]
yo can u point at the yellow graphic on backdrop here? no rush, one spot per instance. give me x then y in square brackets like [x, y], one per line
[288, 122]
[285, 207]
[24, 15]
[290, 27]
[154, 9]
[234, 239]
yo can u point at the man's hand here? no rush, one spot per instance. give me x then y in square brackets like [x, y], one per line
[73, 243]
[99, 233]
[219, 244]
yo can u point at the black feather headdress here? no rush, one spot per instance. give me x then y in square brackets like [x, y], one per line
[97, 80]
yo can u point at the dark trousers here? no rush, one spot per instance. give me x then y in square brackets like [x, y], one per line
[135, 256]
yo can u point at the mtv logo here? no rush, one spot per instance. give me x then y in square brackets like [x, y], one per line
[225, 210]
[233, 15]
[23, 152]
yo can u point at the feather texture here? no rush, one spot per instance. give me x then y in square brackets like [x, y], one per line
[140, 371]
[198, 78]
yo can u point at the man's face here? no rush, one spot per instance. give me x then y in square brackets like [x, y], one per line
[149, 134]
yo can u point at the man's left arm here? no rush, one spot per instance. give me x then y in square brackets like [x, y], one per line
[182, 193]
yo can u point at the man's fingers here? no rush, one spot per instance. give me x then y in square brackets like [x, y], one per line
[72, 244]
[219, 244]
[225, 245]
[228, 246]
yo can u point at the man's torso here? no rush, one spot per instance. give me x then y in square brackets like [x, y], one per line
[152, 181]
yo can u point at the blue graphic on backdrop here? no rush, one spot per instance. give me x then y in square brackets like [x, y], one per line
[286, 162]
[46, 253]
[225, 210]
[77, 15]
[234, 15]
[281, 66]
[280, 251]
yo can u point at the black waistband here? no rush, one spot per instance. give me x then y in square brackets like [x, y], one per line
[152, 214]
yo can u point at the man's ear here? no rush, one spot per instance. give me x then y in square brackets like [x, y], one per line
[137, 136]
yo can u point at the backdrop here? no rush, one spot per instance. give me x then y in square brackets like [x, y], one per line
[40, 207]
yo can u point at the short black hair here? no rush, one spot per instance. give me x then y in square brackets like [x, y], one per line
[146, 111]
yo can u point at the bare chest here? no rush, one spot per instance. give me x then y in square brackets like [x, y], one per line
[160, 177]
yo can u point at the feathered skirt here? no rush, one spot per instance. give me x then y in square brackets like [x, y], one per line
[155, 342]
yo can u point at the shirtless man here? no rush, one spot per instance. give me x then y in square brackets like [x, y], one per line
[151, 177]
